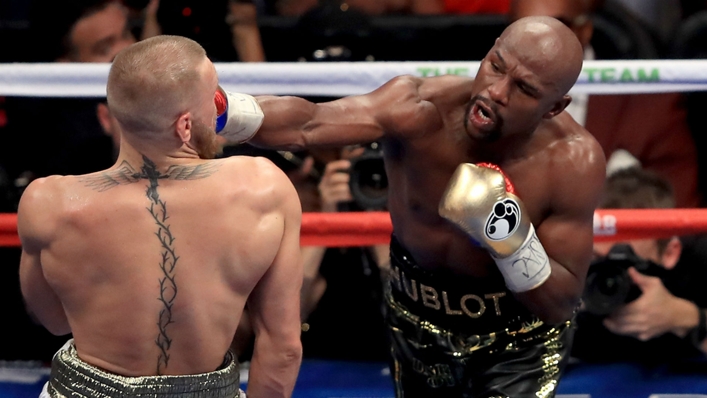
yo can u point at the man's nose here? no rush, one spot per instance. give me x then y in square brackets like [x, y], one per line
[498, 91]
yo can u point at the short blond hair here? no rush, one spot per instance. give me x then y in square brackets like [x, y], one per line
[150, 82]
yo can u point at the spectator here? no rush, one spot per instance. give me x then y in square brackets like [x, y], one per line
[667, 321]
[342, 287]
[228, 29]
[64, 136]
[298, 8]
[45, 136]
[474, 6]
[660, 139]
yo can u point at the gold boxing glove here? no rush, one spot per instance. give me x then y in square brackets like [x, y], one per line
[481, 201]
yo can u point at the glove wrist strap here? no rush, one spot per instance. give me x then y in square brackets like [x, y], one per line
[242, 118]
[528, 267]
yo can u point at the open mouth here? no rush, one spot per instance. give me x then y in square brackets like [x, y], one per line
[481, 116]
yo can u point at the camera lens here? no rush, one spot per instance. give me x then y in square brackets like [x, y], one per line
[369, 182]
[608, 287]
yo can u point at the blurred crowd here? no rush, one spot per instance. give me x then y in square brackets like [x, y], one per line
[653, 143]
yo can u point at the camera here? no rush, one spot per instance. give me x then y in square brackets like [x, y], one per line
[369, 181]
[609, 285]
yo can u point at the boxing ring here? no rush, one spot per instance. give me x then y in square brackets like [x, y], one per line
[346, 379]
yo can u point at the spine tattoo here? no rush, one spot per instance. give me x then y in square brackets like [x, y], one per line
[127, 174]
[168, 263]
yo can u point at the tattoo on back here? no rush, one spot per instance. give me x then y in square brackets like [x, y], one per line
[127, 174]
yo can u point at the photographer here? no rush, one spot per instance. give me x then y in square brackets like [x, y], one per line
[665, 320]
[342, 290]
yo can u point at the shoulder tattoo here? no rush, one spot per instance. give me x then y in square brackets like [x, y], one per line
[126, 173]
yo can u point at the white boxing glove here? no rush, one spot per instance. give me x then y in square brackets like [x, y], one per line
[238, 116]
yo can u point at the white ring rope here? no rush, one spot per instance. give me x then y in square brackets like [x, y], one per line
[348, 78]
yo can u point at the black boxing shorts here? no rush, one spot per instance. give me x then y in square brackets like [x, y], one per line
[456, 336]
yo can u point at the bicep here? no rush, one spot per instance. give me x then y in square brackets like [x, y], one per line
[567, 239]
[567, 233]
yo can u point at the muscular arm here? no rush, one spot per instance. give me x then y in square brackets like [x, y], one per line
[294, 123]
[274, 309]
[41, 301]
[567, 235]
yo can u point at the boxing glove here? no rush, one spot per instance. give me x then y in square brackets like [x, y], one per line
[238, 116]
[481, 201]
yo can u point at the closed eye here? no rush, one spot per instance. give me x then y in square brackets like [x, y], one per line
[526, 89]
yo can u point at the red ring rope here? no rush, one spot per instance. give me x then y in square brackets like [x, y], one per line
[364, 229]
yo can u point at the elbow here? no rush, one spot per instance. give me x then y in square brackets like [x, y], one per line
[288, 356]
[292, 355]
[556, 317]
[564, 311]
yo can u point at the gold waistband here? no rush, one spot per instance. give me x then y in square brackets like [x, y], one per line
[73, 378]
[465, 343]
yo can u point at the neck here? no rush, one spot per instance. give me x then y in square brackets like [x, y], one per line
[162, 153]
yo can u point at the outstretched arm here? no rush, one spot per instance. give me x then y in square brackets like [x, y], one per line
[40, 299]
[274, 308]
[395, 108]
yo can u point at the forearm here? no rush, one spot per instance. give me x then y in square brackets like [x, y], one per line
[293, 123]
[284, 123]
[311, 259]
[557, 298]
[274, 367]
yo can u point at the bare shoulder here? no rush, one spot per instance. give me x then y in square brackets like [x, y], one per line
[577, 165]
[449, 87]
[40, 208]
[259, 179]
[410, 105]
[430, 88]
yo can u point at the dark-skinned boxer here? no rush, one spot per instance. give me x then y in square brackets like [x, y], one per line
[492, 190]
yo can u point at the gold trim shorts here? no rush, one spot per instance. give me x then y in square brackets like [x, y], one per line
[73, 378]
[457, 337]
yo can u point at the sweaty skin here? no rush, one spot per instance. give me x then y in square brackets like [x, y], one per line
[149, 264]
[429, 126]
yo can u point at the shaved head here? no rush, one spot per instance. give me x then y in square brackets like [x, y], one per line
[546, 46]
[153, 81]
[524, 78]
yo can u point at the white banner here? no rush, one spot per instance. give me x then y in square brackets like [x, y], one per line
[348, 78]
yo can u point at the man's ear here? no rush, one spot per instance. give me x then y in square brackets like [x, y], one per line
[672, 252]
[183, 127]
[103, 115]
[558, 107]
